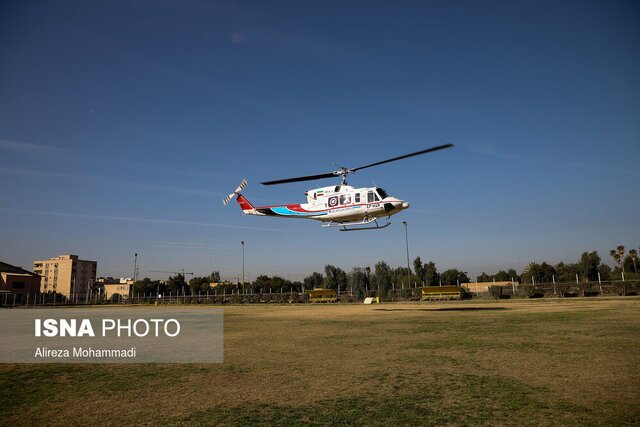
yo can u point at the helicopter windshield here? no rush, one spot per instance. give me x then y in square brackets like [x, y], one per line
[383, 194]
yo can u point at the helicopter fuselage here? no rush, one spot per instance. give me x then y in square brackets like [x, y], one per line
[339, 204]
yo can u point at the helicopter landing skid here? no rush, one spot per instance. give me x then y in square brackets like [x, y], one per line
[359, 225]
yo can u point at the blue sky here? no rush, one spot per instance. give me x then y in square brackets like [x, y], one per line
[123, 124]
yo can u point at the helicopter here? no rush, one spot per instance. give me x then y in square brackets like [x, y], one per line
[343, 206]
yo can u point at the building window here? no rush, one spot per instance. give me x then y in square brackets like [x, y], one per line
[18, 285]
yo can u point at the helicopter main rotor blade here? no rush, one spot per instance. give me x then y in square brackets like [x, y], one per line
[344, 171]
[417, 153]
[300, 178]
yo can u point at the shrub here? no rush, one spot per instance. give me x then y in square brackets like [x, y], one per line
[562, 288]
[465, 293]
[620, 288]
[526, 290]
[495, 291]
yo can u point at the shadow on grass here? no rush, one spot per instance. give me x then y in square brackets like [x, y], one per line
[445, 309]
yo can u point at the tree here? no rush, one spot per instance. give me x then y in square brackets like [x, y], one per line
[335, 277]
[262, 283]
[541, 273]
[199, 285]
[567, 272]
[419, 269]
[633, 255]
[358, 280]
[484, 277]
[313, 281]
[214, 277]
[620, 250]
[507, 276]
[454, 276]
[176, 284]
[588, 265]
[280, 284]
[605, 272]
[431, 276]
[400, 276]
[147, 286]
[367, 271]
[618, 256]
[382, 277]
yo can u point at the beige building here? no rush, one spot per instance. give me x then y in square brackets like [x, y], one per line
[122, 289]
[17, 284]
[66, 275]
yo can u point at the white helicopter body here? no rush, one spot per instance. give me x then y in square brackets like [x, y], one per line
[338, 205]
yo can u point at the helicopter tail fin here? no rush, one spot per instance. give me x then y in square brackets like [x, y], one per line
[245, 205]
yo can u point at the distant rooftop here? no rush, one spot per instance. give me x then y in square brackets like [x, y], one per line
[8, 268]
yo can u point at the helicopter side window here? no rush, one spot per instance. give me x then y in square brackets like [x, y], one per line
[372, 197]
[345, 199]
[357, 197]
[383, 194]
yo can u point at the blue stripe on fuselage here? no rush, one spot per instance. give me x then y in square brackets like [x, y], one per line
[283, 210]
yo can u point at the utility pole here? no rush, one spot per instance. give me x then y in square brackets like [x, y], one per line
[135, 267]
[406, 238]
[242, 265]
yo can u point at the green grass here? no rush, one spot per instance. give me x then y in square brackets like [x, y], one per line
[479, 400]
[512, 362]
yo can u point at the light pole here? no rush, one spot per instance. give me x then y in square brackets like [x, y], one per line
[242, 265]
[406, 239]
[135, 266]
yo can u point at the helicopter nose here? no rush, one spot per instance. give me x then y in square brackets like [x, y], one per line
[405, 205]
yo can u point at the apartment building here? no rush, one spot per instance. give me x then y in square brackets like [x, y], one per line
[67, 275]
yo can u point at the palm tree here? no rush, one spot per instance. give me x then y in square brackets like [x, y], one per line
[634, 255]
[532, 271]
[620, 250]
[616, 257]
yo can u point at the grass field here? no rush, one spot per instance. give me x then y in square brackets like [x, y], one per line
[555, 361]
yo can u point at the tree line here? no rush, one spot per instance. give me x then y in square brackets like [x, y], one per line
[382, 278]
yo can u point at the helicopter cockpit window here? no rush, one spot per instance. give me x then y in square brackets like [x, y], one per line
[345, 199]
[372, 197]
[383, 194]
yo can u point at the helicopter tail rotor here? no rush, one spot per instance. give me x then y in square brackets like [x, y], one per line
[237, 191]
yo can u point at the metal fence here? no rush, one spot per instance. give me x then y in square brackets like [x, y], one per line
[539, 290]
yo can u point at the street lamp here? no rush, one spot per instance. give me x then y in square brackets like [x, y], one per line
[135, 267]
[406, 239]
[242, 265]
